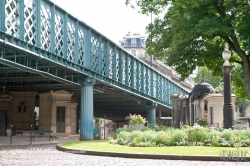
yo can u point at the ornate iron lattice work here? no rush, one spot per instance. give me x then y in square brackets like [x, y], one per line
[12, 17]
[140, 77]
[117, 67]
[162, 89]
[135, 75]
[30, 21]
[123, 68]
[129, 71]
[159, 87]
[144, 80]
[71, 41]
[45, 27]
[81, 47]
[59, 31]
[62, 35]
[94, 53]
[154, 84]
[111, 57]
[149, 81]
[103, 55]
[166, 91]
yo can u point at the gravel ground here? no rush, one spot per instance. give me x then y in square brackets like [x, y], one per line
[46, 155]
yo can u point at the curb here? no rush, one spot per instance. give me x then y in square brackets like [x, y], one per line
[149, 156]
[28, 145]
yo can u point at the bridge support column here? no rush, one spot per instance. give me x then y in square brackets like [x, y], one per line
[151, 115]
[86, 114]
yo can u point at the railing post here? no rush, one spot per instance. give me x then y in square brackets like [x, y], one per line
[104, 127]
[11, 134]
[30, 134]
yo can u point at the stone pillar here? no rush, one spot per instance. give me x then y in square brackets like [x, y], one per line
[228, 106]
[151, 115]
[86, 115]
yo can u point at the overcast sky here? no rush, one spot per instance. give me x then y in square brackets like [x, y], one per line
[112, 18]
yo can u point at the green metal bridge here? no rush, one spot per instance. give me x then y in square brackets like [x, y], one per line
[42, 48]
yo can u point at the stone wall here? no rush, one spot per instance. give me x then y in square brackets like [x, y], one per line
[22, 110]
[49, 102]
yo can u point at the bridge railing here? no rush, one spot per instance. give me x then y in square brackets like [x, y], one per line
[44, 25]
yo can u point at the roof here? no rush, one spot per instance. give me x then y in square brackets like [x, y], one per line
[133, 42]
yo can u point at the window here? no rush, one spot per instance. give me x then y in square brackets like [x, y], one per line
[205, 105]
[133, 42]
[133, 52]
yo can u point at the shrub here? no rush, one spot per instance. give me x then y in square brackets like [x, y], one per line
[202, 122]
[136, 119]
[150, 135]
[192, 136]
[227, 134]
[161, 128]
[162, 138]
[197, 134]
[178, 136]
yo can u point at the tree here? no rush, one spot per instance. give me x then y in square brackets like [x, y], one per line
[215, 81]
[193, 33]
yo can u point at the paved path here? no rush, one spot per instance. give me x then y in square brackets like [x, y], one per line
[47, 155]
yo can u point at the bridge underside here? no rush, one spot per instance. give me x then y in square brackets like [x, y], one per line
[22, 72]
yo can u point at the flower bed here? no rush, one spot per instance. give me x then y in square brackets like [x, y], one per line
[187, 136]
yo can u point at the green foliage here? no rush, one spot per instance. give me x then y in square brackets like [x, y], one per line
[242, 104]
[136, 119]
[215, 81]
[197, 134]
[203, 122]
[238, 82]
[193, 33]
[178, 137]
[187, 136]
[227, 134]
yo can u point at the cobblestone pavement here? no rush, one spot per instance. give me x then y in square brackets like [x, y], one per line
[46, 155]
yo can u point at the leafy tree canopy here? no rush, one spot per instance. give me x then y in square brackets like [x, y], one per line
[193, 33]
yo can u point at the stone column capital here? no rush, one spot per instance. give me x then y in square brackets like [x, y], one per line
[226, 69]
[87, 81]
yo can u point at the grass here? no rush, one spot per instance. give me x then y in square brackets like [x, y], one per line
[100, 145]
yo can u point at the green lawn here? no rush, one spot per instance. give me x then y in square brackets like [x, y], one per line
[100, 145]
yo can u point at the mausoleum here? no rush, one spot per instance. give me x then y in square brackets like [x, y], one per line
[202, 103]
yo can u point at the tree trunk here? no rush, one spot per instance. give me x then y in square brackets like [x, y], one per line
[245, 63]
[246, 69]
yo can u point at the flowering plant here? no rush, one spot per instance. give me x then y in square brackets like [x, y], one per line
[136, 119]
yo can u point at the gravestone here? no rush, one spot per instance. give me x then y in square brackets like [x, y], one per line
[247, 111]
